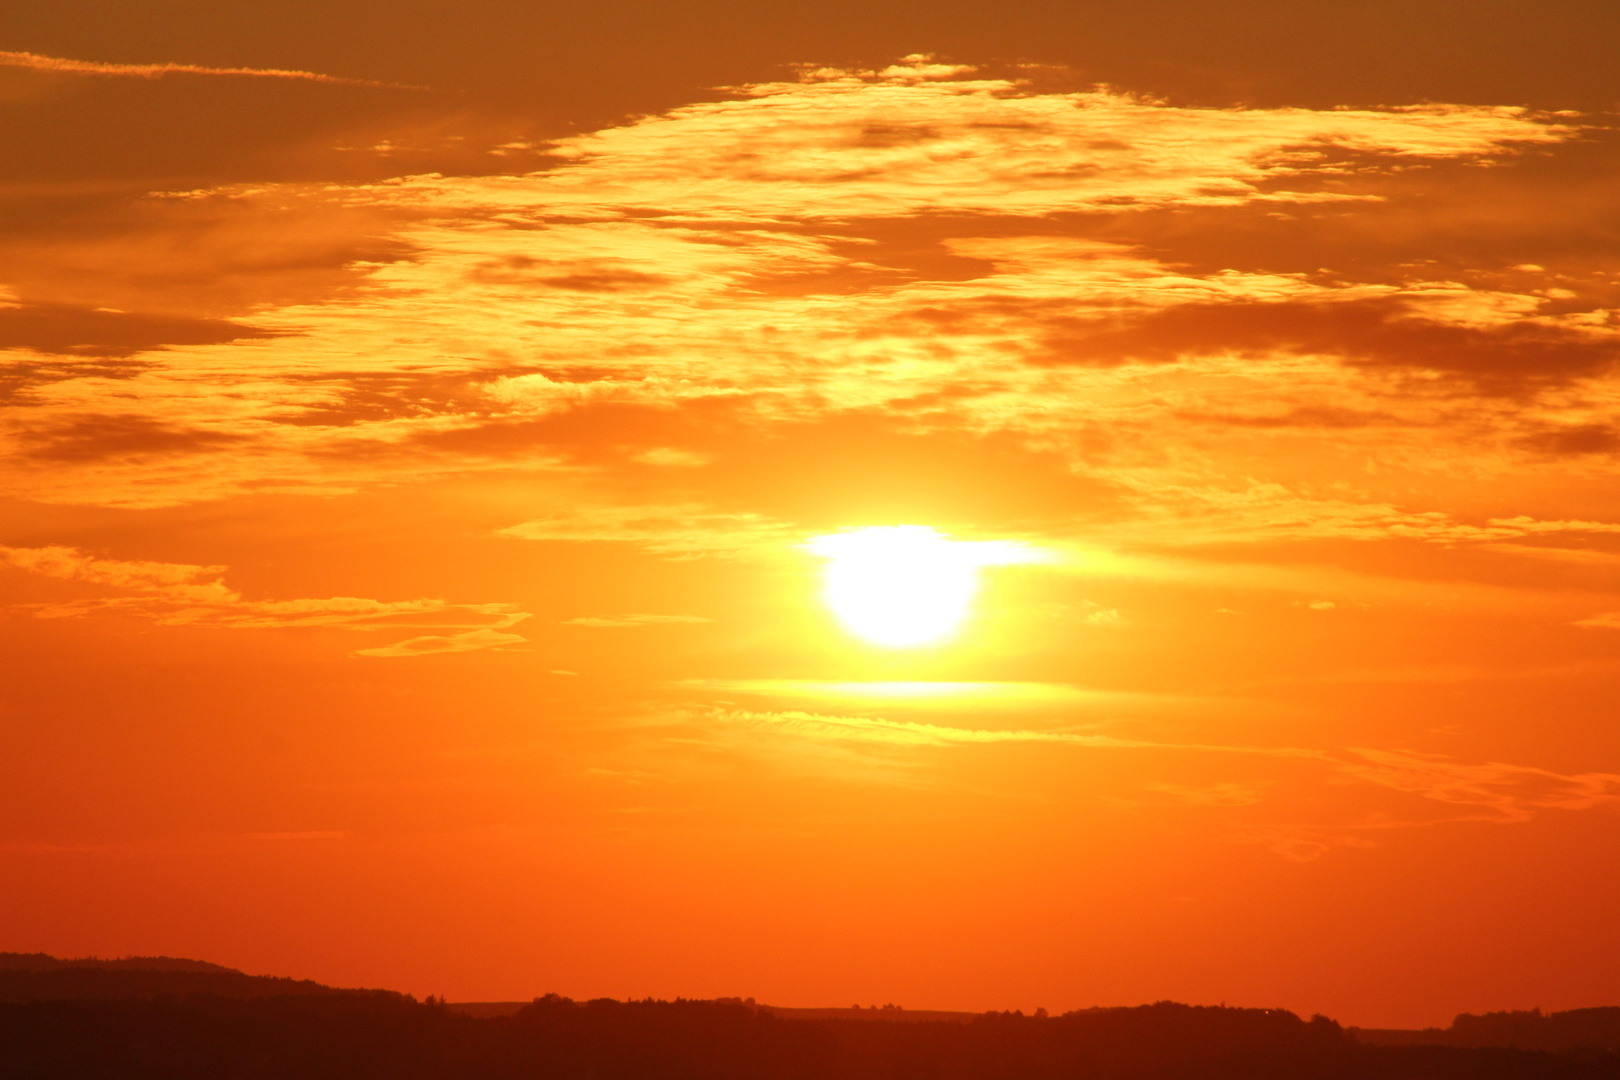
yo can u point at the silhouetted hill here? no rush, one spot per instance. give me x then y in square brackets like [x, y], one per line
[12, 961]
[360, 1037]
[39, 977]
[1577, 1029]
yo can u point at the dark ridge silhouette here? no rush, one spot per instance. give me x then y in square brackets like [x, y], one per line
[485, 1010]
[887, 1013]
[12, 961]
[39, 977]
[1575, 1030]
[872, 1013]
[169, 1019]
[358, 1036]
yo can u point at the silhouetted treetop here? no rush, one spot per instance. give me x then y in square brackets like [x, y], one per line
[1592, 1030]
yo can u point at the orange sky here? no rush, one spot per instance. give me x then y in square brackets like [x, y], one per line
[419, 421]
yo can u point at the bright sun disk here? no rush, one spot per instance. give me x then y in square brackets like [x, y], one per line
[902, 586]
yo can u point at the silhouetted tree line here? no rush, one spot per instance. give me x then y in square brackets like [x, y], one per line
[1586, 1030]
[1596, 1028]
[359, 1036]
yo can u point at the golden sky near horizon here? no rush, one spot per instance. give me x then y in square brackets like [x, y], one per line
[1049, 510]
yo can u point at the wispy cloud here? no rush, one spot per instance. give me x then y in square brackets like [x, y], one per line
[898, 143]
[645, 306]
[680, 530]
[1500, 792]
[822, 726]
[1480, 793]
[464, 641]
[179, 594]
[61, 66]
[1486, 792]
[635, 620]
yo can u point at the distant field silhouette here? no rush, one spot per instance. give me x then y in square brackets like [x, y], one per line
[179, 1020]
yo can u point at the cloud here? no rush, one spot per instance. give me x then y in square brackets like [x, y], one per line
[465, 641]
[179, 581]
[1498, 340]
[1178, 515]
[56, 65]
[180, 594]
[1524, 525]
[634, 620]
[893, 145]
[934, 697]
[1222, 793]
[678, 530]
[919, 252]
[1504, 793]
[1307, 843]
[1489, 792]
[97, 437]
[822, 726]
[877, 730]
[69, 330]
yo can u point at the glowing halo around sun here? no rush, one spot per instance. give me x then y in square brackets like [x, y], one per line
[905, 586]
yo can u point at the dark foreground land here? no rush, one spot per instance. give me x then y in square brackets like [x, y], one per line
[56, 1026]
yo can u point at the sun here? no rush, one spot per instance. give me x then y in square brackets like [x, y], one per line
[905, 586]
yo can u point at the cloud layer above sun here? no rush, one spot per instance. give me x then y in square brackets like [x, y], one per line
[914, 246]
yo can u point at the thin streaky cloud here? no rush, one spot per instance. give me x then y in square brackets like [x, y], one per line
[466, 641]
[874, 729]
[63, 66]
[634, 620]
[1495, 792]
[681, 531]
[1505, 792]
[1491, 793]
[178, 594]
